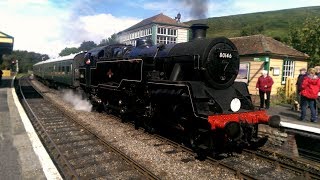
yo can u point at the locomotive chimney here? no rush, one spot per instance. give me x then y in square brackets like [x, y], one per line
[199, 31]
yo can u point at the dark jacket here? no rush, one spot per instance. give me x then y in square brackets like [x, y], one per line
[310, 87]
[264, 83]
[299, 82]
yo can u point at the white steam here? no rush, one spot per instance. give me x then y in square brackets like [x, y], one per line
[77, 101]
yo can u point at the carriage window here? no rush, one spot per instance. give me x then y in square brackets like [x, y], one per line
[68, 69]
[62, 69]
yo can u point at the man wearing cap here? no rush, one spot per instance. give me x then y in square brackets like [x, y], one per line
[264, 85]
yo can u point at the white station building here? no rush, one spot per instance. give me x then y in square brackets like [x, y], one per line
[159, 28]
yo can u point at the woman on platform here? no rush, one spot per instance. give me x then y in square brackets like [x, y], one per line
[309, 93]
[264, 86]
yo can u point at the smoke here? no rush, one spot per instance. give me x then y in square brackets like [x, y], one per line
[77, 101]
[198, 8]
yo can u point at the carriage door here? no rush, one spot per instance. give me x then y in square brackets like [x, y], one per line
[78, 70]
[76, 76]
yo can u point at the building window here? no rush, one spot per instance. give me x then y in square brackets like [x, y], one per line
[162, 31]
[138, 34]
[167, 31]
[288, 70]
[166, 40]
[172, 32]
[166, 35]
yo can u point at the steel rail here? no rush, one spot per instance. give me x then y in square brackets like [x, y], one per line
[237, 173]
[305, 172]
[145, 171]
[141, 169]
[72, 173]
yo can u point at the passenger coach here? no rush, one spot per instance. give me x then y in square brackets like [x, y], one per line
[60, 71]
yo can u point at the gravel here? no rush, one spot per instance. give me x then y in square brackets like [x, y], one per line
[144, 148]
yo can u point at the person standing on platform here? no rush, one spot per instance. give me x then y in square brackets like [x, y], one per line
[317, 102]
[317, 71]
[302, 75]
[309, 93]
[264, 86]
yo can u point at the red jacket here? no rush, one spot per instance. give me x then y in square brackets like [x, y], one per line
[264, 83]
[310, 87]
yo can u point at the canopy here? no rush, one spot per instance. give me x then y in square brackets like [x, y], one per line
[6, 43]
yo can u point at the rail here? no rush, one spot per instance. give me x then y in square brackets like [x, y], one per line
[66, 168]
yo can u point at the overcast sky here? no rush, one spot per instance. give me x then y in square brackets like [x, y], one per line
[48, 26]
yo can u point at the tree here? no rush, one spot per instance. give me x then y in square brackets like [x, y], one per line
[44, 57]
[87, 45]
[113, 39]
[66, 51]
[252, 30]
[306, 39]
[26, 60]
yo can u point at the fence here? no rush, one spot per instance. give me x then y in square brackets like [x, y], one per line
[290, 89]
[6, 73]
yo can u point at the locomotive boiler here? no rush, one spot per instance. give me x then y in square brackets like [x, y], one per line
[189, 87]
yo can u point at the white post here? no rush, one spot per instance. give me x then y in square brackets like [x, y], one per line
[17, 66]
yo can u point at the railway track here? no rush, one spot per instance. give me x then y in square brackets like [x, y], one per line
[303, 167]
[259, 164]
[248, 164]
[78, 153]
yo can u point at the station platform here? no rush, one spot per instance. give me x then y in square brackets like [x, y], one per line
[22, 155]
[290, 119]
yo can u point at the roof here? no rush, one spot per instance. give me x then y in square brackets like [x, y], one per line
[60, 58]
[157, 19]
[2, 34]
[6, 43]
[260, 44]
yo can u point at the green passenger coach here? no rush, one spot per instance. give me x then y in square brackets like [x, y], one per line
[61, 71]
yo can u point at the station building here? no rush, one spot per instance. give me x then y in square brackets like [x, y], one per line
[159, 28]
[6, 47]
[6, 43]
[258, 52]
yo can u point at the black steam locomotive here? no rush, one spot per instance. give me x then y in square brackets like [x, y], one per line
[189, 87]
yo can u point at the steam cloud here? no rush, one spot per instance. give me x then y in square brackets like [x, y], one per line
[77, 101]
[199, 8]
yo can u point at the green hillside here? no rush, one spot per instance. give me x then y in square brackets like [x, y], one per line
[271, 23]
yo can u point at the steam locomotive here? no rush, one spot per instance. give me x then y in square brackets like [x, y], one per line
[189, 87]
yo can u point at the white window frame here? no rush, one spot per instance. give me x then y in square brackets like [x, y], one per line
[166, 39]
[287, 70]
